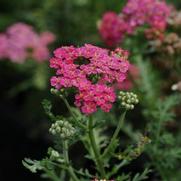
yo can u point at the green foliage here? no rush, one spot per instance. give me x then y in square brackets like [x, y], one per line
[100, 148]
[44, 165]
[159, 112]
[142, 176]
[149, 83]
[32, 165]
[166, 154]
[132, 152]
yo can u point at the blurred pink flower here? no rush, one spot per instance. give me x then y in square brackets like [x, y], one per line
[47, 37]
[22, 35]
[23, 42]
[135, 13]
[152, 12]
[112, 28]
[40, 53]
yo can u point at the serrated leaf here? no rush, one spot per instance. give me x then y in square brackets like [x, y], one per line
[116, 168]
[32, 165]
[142, 176]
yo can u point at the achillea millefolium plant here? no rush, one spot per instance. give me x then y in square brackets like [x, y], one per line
[91, 74]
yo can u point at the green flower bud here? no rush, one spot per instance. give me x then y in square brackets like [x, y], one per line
[54, 91]
[62, 128]
[60, 92]
[128, 100]
[54, 155]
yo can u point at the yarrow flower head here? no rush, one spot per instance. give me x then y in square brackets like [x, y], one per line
[134, 14]
[152, 12]
[62, 128]
[92, 72]
[128, 100]
[20, 42]
[112, 28]
[170, 45]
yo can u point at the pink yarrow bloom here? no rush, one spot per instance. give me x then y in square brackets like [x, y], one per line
[112, 28]
[135, 13]
[151, 12]
[92, 72]
[23, 42]
[98, 95]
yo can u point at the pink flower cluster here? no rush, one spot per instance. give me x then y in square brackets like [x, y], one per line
[152, 12]
[92, 71]
[112, 28]
[136, 13]
[20, 42]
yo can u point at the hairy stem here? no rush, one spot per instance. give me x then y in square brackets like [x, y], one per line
[69, 167]
[95, 149]
[115, 135]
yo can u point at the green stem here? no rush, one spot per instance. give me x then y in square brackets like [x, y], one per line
[69, 167]
[96, 151]
[115, 135]
[71, 112]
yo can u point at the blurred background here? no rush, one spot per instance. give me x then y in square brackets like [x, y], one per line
[24, 85]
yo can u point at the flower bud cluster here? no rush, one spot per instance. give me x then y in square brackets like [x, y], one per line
[56, 92]
[171, 44]
[128, 99]
[62, 128]
[174, 19]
